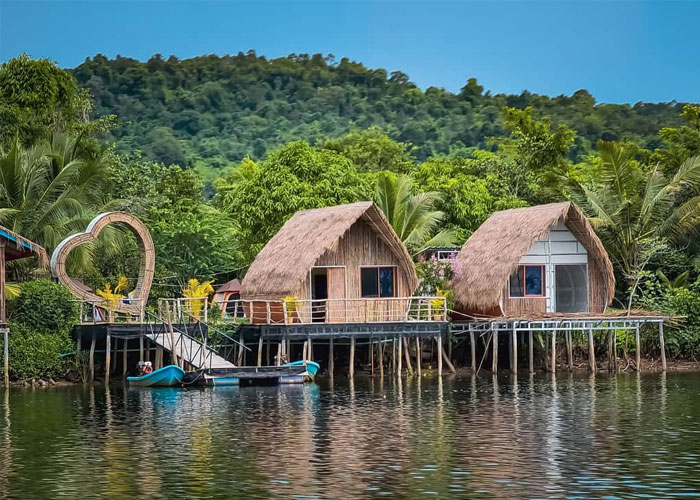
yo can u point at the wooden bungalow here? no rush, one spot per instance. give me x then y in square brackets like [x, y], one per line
[342, 264]
[14, 247]
[531, 262]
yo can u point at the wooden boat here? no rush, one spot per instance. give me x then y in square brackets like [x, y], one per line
[296, 372]
[311, 367]
[168, 376]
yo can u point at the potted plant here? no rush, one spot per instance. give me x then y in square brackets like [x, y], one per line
[437, 305]
[291, 304]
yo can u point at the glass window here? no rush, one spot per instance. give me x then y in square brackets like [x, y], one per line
[377, 281]
[386, 281]
[527, 281]
[533, 280]
[370, 282]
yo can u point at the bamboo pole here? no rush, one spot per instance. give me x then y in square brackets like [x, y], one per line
[279, 354]
[472, 342]
[419, 355]
[92, 359]
[241, 348]
[399, 365]
[591, 352]
[614, 346]
[108, 359]
[569, 351]
[310, 350]
[514, 353]
[438, 339]
[371, 357]
[638, 357]
[141, 348]
[393, 355]
[554, 351]
[407, 353]
[260, 350]
[494, 359]
[662, 345]
[331, 360]
[448, 362]
[531, 352]
[352, 356]
[380, 349]
[125, 345]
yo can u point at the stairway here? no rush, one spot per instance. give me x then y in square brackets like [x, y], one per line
[190, 349]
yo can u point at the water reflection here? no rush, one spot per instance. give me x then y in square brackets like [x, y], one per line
[475, 437]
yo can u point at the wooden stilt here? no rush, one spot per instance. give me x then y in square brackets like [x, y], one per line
[267, 353]
[614, 350]
[92, 360]
[439, 354]
[514, 353]
[393, 355]
[510, 352]
[554, 351]
[531, 352]
[638, 356]
[352, 356]
[407, 354]
[125, 351]
[609, 339]
[108, 360]
[662, 345]
[448, 362]
[140, 348]
[310, 350]
[159, 357]
[419, 355]
[380, 350]
[399, 364]
[472, 342]
[278, 361]
[331, 360]
[6, 354]
[494, 359]
[591, 352]
[371, 357]
[260, 350]
[241, 348]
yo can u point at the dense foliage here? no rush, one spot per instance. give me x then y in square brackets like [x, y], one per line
[211, 112]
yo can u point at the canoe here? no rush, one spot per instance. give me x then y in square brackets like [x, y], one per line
[311, 367]
[168, 376]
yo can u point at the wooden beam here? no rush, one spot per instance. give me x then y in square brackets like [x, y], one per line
[108, 357]
[472, 342]
[419, 355]
[260, 349]
[438, 339]
[514, 352]
[399, 364]
[569, 351]
[125, 345]
[494, 357]
[331, 361]
[92, 359]
[662, 345]
[352, 357]
[380, 349]
[407, 353]
[591, 352]
[554, 351]
[638, 357]
[531, 352]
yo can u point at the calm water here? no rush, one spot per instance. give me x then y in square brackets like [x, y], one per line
[608, 437]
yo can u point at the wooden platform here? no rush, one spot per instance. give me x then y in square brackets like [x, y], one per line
[423, 329]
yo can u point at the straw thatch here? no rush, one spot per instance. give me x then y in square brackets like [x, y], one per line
[19, 247]
[282, 265]
[493, 252]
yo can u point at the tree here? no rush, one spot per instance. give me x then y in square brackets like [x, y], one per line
[638, 210]
[294, 177]
[413, 216]
[372, 150]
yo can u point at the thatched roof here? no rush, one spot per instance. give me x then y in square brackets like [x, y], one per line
[19, 247]
[282, 265]
[230, 286]
[493, 252]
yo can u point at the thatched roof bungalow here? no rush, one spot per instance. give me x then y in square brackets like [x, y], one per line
[534, 261]
[342, 263]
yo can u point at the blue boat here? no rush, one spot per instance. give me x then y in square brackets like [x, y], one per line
[168, 376]
[311, 367]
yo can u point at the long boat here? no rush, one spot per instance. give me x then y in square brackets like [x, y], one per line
[291, 373]
[168, 376]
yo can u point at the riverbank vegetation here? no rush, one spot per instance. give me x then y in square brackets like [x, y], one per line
[215, 154]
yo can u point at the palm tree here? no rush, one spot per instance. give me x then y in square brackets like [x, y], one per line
[413, 216]
[638, 211]
[51, 190]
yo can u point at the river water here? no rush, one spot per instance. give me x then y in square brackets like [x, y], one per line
[624, 436]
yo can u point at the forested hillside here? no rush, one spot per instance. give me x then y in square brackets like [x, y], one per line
[210, 112]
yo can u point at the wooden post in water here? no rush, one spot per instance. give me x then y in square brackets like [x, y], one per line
[399, 364]
[141, 348]
[279, 354]
[472, 342]
[531, 352]
[371, 357]
[494, 357]
[310, 350]
[514, 352]
[554, 351]
[393, 355]
[662, 345]
[591, 351]
[108, 352]
[419, 355]
[569, 350]
[92, 359]
[241, 348]
[125, 345]
[352, 356]
[380, 351]
[407, 353]
[638, 357]
[260, 349]
[331, 361]
[439, 354]
[609, 339]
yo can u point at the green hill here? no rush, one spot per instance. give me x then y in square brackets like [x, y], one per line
[209, 112]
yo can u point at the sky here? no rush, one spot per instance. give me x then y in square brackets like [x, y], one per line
[619, 51]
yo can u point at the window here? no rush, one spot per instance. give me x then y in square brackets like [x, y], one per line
[377, 281]
[527, 281]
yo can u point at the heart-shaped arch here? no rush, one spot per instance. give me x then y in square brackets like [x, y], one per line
[146, 268]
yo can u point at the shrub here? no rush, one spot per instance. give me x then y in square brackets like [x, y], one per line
[37, 354]
[44, 306]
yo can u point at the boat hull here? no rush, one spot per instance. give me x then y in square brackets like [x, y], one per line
[168, 376]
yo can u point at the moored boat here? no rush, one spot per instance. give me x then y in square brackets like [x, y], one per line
[168, 376]
[311, 367]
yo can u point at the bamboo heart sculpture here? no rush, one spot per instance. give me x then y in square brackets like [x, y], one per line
[146, 269]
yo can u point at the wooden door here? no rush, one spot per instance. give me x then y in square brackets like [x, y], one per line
[337, 311]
